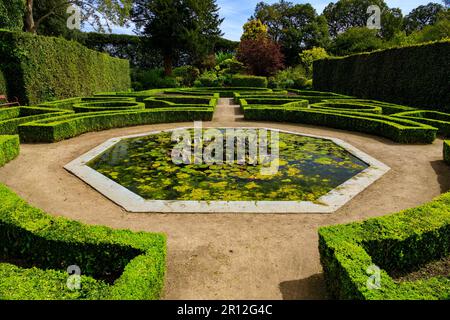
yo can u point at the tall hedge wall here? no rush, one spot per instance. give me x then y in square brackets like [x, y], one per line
[39, 69]
[417, 76]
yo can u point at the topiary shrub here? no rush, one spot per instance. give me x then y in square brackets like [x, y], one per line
[9, 148]
[249, 81]
[39, 69]
[417, 76]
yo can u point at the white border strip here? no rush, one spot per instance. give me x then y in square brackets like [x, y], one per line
[132, 202]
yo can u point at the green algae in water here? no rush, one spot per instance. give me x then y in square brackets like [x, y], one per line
[309, 168]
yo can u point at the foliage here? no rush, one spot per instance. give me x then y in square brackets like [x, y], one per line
[292, 77]
[262, 56]
[222, 56]
[41, 68]
[187, 74]
[136, 260]
[416, 76]
[208, 79]
[436, 119]
[248, 81]
[172, 26]
[356, 40]
[253, 30]
[295, 27]
[152, 78]
[307, 57]
[396, 243]
[9, 149]
[422, 16]
[347, 14]
[11, 13]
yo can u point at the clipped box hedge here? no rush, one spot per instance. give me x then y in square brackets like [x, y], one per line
[112, 105]
[447, 151]
[39, 69]
[249, 81]
[9, 148]
[135, 260]
[72, 125]
[13, 117]
[398, 130]
[398, 243]
[436, 119]
[417, 76]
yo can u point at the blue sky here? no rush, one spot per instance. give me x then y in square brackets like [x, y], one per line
[237, 12]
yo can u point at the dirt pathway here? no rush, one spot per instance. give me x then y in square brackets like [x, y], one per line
[231, 256]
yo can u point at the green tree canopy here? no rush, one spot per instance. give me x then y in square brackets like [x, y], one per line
[356, 40]
[174, 26]
[423, 16]
[346, 14]
[11, 13]
[294, 27]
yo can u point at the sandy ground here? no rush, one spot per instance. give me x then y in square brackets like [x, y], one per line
[231, 256]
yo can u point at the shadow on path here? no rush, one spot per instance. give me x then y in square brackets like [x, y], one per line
[312, 288]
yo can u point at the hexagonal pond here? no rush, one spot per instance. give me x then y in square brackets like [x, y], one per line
[315, 174]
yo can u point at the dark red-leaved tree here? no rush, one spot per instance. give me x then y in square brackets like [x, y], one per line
[262, 56]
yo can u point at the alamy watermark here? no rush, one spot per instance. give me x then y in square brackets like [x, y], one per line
[374, 280]
[374, 21]
[228, 146]
[74, 278]
[74, 20]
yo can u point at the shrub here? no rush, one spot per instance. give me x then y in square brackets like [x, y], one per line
[290, 78]
[11, 14]
[356, 40]
[396, 243]
[438, 120]
[208, 79]
[30, 235]
[71, 125]
[307, 58]
[249, 81]
[9, 148]
[262, 56]
[98, 106]
[447, 151]
[398, 130]
[152, 78]
[41, 69]
[188, 75]
[415, 76]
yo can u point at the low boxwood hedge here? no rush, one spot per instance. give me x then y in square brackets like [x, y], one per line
[9, 148]
[249, 81]
[181, 102]
[398, 130]
[13, 117]
[71, 125]
[98, 106]
[436, 119]
[398, 243]
[135, 262]
[447, 151]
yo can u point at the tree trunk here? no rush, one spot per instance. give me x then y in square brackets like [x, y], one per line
[29, 20]
[168, 65]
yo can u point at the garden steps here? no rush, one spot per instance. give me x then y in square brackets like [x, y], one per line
[227, 111]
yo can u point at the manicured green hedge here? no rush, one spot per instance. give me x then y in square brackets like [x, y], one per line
[72, 125]
[249, 81]
[98, 106]
[398, 130]
[27, 234]
[39, 69]
[13, 117]
[9, 148]
[417, 76]
[181, 102]
[397, 243]
[447, 151]
[436, 119]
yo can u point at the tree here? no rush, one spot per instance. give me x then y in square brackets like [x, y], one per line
[261, 55]
[423, 16]
[174, 26]
[356, 40]
[307, 57]
[295, 27]
[97, 13]
[11, 13]
[346, 14]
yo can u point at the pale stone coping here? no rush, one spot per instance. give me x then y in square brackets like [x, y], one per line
[132, 202]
